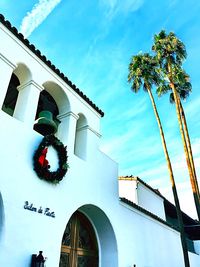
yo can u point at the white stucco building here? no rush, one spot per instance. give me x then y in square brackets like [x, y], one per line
[80, 221]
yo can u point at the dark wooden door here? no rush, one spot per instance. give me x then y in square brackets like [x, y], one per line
[79, 245]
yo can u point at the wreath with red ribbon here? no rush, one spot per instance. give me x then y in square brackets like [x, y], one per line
[41, 164]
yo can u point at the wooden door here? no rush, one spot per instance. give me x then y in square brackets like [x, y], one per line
[79, 245]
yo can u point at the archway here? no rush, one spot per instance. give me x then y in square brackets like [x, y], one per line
[80, 143]
[79, 245]
[11, 95]
[102, 233]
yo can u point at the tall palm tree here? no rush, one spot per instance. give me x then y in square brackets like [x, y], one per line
[171, 52]
[142, 73]
[184, 87]
[196, 186]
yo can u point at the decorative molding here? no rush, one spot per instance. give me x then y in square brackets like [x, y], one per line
[29, 83]
[67, 114]
[128, 178]
[8, 62]
[87, 127]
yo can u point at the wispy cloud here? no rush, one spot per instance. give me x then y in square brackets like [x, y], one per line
[158, 178]
[115, 7]
[37, 15]
[178, 164]
[129, 114]
[114, 143]
[192, 108]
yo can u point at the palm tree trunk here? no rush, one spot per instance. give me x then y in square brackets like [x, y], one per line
[174, 190]
[194, 183]
[187, 137]
[176, 99]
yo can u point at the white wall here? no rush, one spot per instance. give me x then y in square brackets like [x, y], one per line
[146, 242]
[128, 189]
[150, 201]
[135, 191]
[85, 183]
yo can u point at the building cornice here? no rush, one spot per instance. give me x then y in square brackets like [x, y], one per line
[7, 61]
[31, 82]
[87, 127]
[68, 114]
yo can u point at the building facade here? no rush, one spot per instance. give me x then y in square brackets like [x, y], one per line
[80, 220]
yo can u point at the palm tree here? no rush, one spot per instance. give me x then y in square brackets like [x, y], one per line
[196, 186]
[184, 87]
[171, 52]
[142, 73]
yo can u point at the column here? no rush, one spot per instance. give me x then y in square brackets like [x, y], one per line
[27, 102]
[80, 147]
[6, 68]
[93, 139]
[67, 129]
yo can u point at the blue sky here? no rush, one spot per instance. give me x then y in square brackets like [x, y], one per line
[92, 41]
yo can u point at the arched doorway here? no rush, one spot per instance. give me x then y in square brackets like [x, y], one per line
[79, 245]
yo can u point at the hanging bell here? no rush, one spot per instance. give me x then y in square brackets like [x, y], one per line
[45, 124]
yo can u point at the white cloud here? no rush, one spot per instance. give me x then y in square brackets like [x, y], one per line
[139, 108]
[37, 15]
[192, 108]
[161, 180]
[113, 144]
[178, 164]
[116, 7]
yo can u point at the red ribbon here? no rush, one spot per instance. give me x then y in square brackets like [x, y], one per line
[42, 158]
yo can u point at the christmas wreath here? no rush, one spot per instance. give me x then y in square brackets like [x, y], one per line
[41, 164]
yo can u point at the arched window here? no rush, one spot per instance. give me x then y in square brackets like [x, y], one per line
[46, 104]
[79, 244]
[11, 95]
[81, 137]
